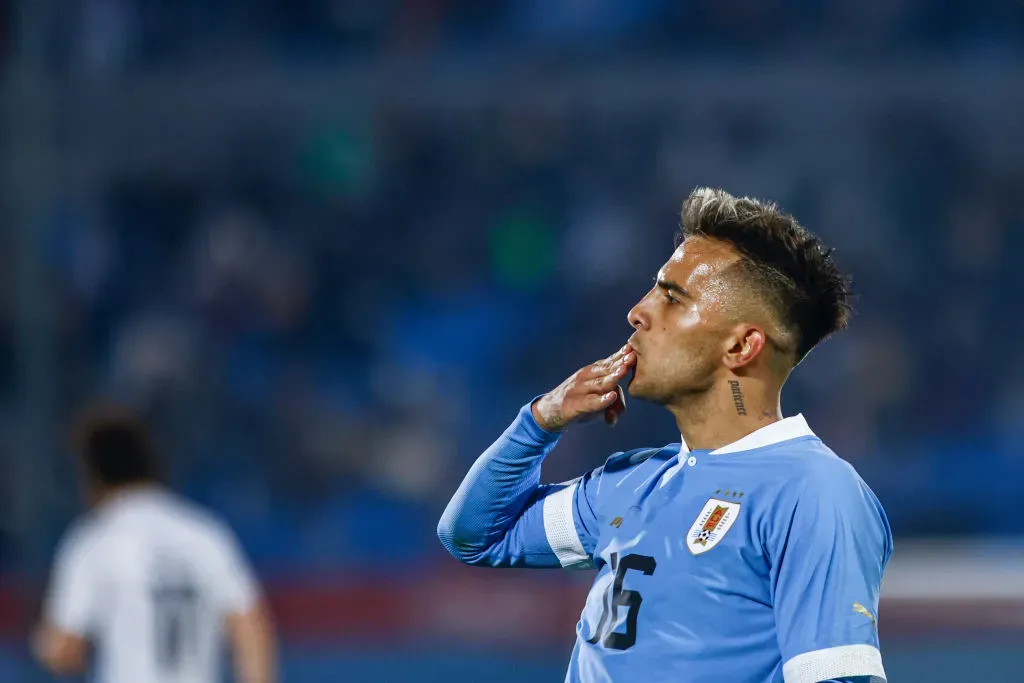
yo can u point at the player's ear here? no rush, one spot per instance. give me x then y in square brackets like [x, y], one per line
[743, 346]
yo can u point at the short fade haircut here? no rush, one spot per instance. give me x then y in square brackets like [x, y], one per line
[115, 447]
[791, 268]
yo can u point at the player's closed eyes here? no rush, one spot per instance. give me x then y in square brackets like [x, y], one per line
[670, 290]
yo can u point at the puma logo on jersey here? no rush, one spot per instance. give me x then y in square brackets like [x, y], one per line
[861, 609]
[617, 523]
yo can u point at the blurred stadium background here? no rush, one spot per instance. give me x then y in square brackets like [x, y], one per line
[330, 246]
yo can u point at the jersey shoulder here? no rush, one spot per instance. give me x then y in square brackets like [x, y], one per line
[809, 461]
[167, 521]
[818, 479]
[807, 474]
[199, 522]
[82, 540]
[627, 469]
[627, 460]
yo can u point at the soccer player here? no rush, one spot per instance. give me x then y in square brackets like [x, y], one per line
[152, 582]
[747, 553]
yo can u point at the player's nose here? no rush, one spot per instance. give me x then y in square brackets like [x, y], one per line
[638, 318]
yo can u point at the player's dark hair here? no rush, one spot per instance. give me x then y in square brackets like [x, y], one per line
[115, 447]
[790, 266]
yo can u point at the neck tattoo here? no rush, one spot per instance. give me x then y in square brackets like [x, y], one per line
[737, 397]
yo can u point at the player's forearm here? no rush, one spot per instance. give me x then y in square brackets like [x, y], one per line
[60, 652]
[495, 492]
[253, 643]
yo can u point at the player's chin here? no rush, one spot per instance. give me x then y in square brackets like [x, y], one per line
[635, 388]
[642, 391]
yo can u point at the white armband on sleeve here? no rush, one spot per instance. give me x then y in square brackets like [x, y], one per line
[560, 529]
[835, 662]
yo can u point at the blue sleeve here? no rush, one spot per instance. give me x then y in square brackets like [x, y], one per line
[829, 546]
[501, 516]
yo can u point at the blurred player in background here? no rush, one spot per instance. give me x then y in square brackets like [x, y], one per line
[747, 553]
[151, 582]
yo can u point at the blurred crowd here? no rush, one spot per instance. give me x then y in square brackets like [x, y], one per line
[126, 35]
[327, 329]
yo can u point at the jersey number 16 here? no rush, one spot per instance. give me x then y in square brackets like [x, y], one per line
[619, 598]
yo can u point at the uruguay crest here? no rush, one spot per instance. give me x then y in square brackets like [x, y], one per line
[713, 522]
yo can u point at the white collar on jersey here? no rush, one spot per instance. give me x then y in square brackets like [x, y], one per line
[783, 430]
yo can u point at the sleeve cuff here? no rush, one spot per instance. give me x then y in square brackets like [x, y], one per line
[526, 425]
[76, 625]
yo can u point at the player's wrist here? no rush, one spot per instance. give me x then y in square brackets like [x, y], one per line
[547, 419]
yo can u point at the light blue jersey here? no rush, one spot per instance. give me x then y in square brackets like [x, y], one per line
[759, 562]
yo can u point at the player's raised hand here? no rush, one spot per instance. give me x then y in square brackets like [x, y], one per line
[587, 393]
